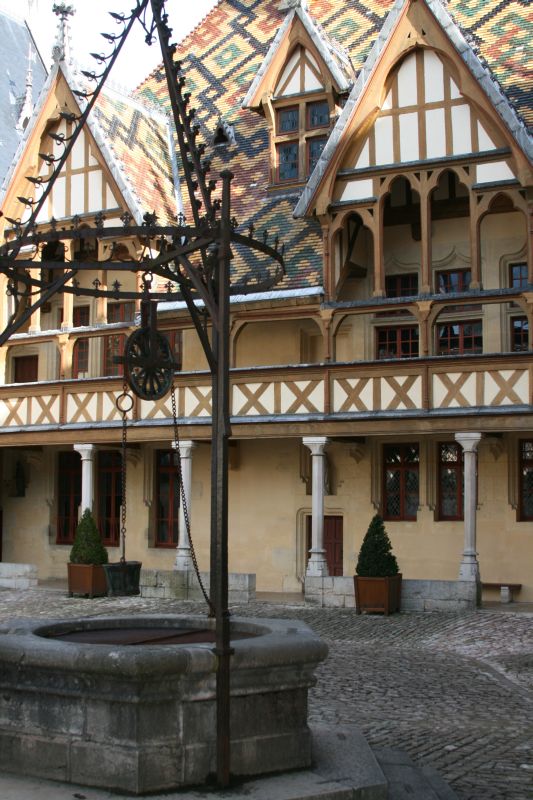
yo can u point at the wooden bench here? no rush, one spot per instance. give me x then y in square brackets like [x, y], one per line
[506, 589]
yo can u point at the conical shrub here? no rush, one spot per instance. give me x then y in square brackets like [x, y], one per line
[87, 547]
[376, 559]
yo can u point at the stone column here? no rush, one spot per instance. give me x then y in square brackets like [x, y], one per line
[317, 565]
[183, 551]
[86, 452]
[469, 569]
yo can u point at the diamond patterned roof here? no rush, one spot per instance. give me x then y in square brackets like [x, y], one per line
[222, 55]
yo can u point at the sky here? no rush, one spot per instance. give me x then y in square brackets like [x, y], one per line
[136, 59]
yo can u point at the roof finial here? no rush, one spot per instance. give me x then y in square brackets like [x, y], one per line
[61, 50]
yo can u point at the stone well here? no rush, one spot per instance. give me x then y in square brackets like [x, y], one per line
[142, 718]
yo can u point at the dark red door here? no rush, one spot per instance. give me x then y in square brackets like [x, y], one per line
[332, 543]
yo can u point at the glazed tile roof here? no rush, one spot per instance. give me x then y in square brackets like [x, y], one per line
[138, 138]
[222, 56]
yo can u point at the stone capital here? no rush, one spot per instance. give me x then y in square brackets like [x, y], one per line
[86, 451]
[468, 441]
[316, 444]
[185, 447]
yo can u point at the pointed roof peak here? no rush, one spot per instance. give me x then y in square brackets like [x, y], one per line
[476, 65]
[334, 57]
[287, 5]
[62, 50]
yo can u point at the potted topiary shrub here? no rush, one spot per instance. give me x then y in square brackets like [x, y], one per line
[378, 582]
[85, 571]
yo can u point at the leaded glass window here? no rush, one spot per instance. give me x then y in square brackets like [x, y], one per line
[288, 119]
[450, 477]
[400, 481]
[68, 495]
[526, 479]
[167, 498]
[288, 161]
[314, 149]
[109, 496]
[317, 114]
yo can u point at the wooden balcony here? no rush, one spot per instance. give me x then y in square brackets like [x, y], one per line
[307, 394]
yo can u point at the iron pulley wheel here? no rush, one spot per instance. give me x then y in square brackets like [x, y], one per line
[149, 364]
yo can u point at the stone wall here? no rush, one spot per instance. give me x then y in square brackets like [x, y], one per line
[18, 576]
[183, 585]
[417, 595]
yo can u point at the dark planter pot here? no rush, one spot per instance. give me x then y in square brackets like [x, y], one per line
[381, 595]
[86, 579]
[123, 578]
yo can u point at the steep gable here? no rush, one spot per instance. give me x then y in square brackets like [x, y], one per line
[439, 102]
[299, 58]
[110, 168]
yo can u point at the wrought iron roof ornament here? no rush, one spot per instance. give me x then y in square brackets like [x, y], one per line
[192, 263]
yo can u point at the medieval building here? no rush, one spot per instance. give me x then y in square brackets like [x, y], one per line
[391, 370]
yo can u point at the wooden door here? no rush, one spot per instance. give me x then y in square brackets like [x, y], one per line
[332, 542]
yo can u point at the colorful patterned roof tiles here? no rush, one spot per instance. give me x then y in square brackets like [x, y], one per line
[138, 138]
[223, 54]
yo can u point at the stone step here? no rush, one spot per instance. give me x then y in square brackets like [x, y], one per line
[407, 781]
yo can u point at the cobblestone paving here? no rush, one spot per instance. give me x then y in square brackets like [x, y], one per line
[453, 691]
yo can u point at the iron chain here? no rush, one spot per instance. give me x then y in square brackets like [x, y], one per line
[184, 502]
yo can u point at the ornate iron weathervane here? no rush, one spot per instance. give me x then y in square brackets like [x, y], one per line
[195, 262]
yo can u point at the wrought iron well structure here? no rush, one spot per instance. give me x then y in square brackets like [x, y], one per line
[194, 262]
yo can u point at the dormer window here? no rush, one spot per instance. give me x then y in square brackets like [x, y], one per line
[300, 136]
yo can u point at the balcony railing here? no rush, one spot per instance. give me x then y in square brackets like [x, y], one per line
[276, 393]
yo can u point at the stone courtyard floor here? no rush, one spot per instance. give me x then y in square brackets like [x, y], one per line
[454, 691]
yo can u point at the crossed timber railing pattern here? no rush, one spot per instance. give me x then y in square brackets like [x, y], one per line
[348, 389]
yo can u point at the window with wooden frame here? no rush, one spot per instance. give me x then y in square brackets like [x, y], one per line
[80, 352]
[113, 343]
[120, 312]
[317, 115]
[287, 161]
[167, 499]
[175, 340]
[525, 480]
[113, 348]
[405, 285]
[459, 337]
[519, 334]
[400, 481]
[449, 281]
[314, 150]
[287, 120]
[397, 342]
[109, 494]
[450, 481]
[68, 495]
[518, 276]
[300, 136]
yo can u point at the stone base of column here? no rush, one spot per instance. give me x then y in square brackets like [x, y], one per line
[317, 566]
[469, 570]
[183, 561]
